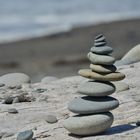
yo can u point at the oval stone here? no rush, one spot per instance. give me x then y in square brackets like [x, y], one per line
[103, 68]
[14, 79]
[99, 36]
[88, 73]
[102, 50]
[25, 135]
[100, 59]
[100, 39]
[90, 124]
[96, 88]
[121, 86]
[101, 43]
[92, 105]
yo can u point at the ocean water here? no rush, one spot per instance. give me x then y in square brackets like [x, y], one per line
[20, 19]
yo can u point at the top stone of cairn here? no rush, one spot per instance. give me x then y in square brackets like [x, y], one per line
[100, 46]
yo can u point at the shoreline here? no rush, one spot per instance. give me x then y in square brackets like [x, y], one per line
[62, 54]
[67, 30]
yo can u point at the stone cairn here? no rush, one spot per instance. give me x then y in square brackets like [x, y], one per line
[93, 109]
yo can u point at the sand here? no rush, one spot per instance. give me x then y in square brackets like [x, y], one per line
[63, 54]
[54, 100]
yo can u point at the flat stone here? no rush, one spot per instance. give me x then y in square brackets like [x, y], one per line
[48, 79]
[102, 50]
[89, 124]
[96, 88]
[40, 90]
[51, 119]
[103, 68]
[26, 135]
[14, 79]
[88, 73]
[12, 111]
[99, 36]
[121, 86]
[98, 44]
[102, 38]
[100, 59]
[92, 105]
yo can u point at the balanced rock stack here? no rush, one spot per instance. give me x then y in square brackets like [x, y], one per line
[93, 109]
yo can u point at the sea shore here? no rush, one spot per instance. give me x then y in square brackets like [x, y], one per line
[62, 54]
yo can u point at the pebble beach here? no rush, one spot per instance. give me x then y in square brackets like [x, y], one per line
[38, 110]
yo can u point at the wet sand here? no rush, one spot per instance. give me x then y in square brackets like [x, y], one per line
[62, 54]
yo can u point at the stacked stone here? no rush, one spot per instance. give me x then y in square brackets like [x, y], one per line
[93, 109]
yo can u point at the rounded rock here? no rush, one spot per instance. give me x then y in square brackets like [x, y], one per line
[102, 50]
[12, 111]
[103, 68]
[92, 105]
[100, 59]
[14, 79]
[121, 86]
[132, 56]
[51, 119]
[8, 100]
[89, 125]
[26, 135]
[96, 88]
[116, 76]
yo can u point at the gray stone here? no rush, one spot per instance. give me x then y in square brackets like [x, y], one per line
[2, 85]
[100, 59]
[48, 79]
[26, 135]
[14, 79]
[12, 111]
[98, 44]
[103, 68]
[8, 100]
[96, 88]
[15, 87]
[90, 124]
[121, 86]
[102, 38]
[99, 36]
[40, 90]
[15, 100]
[51, 119]
[130, 57]
[22, 98]
[102, 50]
[90, 105]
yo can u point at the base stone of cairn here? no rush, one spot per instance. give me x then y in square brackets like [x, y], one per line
[93, 108]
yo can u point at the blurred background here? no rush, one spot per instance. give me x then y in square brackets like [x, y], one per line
[52, 37]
